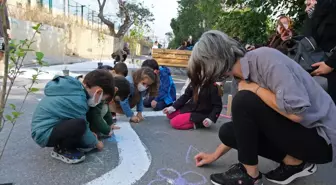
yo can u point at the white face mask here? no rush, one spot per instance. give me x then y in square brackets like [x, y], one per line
[141, 87]
[91, 101]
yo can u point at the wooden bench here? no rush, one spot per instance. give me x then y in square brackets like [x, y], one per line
[171, 58]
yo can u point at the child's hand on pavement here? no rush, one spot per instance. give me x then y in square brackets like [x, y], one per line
[115, 127]
[100, 145]
[135, 119]
[207, 122]
[139, 115]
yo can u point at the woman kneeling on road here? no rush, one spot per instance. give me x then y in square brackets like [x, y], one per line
[279, 113]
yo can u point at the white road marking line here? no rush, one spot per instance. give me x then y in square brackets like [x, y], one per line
[152, 113]
[177, 82]
[134, 159]
[74, 69]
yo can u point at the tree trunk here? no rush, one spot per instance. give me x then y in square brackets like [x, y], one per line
[118, 43]
[4, 18]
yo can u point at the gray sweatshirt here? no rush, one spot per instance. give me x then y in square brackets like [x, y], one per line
[296, 91]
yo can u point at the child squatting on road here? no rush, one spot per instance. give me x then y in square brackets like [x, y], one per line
[59, 120]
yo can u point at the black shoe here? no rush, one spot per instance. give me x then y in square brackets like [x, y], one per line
[114, 117]
[236, 175]
[285, 174]
[68, 156]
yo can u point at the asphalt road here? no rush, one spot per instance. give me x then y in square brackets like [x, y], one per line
[169, 152]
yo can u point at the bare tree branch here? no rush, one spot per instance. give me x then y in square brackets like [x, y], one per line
[129, 12]
[109, 24]
[104, 2]
[127, 20]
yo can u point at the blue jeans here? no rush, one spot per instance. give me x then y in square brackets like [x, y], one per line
[159, 106]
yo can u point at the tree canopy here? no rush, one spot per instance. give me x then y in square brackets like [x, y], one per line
[129, 12]
[251, 21]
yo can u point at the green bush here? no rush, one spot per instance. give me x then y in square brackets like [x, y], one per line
[251, 27]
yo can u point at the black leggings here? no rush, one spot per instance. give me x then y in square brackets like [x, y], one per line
[257, 129]
[67, 134]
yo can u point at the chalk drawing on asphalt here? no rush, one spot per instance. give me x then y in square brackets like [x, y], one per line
[192, 151]
[114, 139]
[173, 177]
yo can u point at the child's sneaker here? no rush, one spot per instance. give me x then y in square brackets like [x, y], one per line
[114, 117]
[71, 157]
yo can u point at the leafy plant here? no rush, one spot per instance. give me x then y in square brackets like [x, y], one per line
[15, 53]
[252, 25]
[250, 20]
[135, 36]
[274, 8]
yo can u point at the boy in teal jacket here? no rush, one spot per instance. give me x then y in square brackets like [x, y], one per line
[59, 120]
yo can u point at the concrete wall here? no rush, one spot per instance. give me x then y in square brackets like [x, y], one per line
[88, 43]
[73, 40]
[68, 38]
[49, 41]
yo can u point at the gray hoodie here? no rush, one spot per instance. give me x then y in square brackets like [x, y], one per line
[296, 91]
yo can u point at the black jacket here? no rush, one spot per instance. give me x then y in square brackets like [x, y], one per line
[209, 104]
[322, 27]
[276, 42]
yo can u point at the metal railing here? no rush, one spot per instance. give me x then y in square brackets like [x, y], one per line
[82, 13]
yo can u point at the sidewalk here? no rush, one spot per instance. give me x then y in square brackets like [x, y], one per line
[77, 66]
[75, 69]
[66, 60]
[54, 60]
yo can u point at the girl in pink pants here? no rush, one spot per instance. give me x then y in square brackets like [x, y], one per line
[199, 110]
